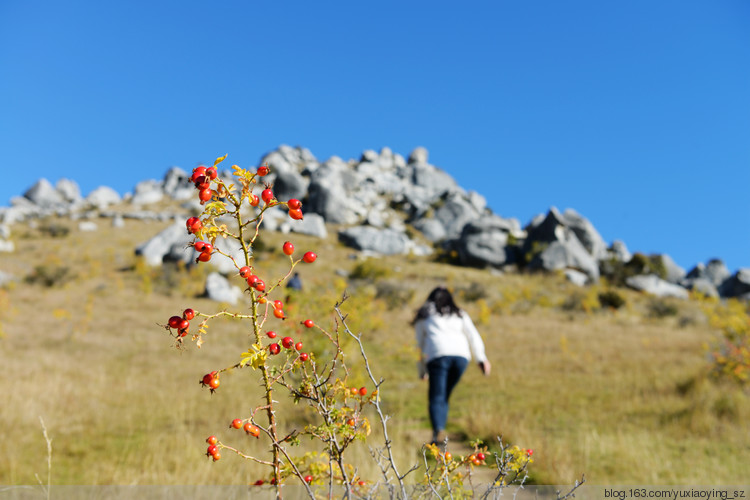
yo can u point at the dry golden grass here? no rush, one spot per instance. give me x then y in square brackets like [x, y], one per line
[616, 395]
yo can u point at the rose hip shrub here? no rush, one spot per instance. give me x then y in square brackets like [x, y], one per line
[278, 359]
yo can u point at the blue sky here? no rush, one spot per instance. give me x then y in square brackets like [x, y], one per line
[636, 114]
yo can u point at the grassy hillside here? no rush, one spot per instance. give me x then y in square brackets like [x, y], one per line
[620, 395]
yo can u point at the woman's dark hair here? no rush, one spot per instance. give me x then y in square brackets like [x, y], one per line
[441, 301]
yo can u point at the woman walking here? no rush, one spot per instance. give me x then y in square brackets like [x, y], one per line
[447, 339]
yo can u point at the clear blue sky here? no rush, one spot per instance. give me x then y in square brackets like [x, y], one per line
[636, 114]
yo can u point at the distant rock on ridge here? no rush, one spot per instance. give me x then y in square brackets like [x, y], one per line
[381, 203]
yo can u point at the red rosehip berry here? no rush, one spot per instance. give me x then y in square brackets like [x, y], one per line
[363, 391]
[529, 452]
[216, 456]
[277, 304]
[259, 482]
[208, 377]
[287, 342]
[298, 346]
[274, 348]
[198, 174]
[188, 314]
[296, 214]
[212, 440]
[214, 384]
[267, 196]
[202, 246]
[205, 194]
[212, 450]
[309, 323]
[271, 334]
[236, 423]
[351, 422]
[308, 479]
[245, 271]
[252, 280]
[279, 313]
[193, 224]
[202, 183]
[288, 248]
[211, 173]
[260, 285]
[263, 170]
[294, 204]
[303, 356]
[252, 430]
[254, 200]
[174, 322]
[481, 456]
[309, 257]
[204, 256]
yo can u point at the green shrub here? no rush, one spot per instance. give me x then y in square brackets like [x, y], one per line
[661, 308]
[612, 299]
[393, 294]
[616, 272]
[472, 293]
[370, 269]
[49, 275]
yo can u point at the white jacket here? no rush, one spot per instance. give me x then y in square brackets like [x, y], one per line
[449, 335]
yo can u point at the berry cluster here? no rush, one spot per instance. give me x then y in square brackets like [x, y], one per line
[181, 323]
[213, 448]
[211, 380]
[205, 249]
[202, 178]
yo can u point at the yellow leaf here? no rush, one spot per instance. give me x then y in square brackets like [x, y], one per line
[220, 159]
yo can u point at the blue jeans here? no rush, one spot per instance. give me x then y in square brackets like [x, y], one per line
[444, 373]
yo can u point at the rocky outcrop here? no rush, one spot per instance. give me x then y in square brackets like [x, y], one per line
[381, 203]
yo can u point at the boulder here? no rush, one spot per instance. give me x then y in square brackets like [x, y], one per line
[170, 244]
[675, 273]
[69, 191]
[566, 254]
[419, 155]
[102, 197]
[555, 246]
[328, 197]
[737, 285]
[219, 289]
[454, 213]
[619, 251]
[118, 221]
[483, 242]
[43, 195]
[176, 184]
[286, 166]
[312, 224]
[432, 229]
[586, 233]
[701, 285]
[715, 271]
[87, 226]
[653, 285]
[576, 277]
[381, 241]
[147, 192]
